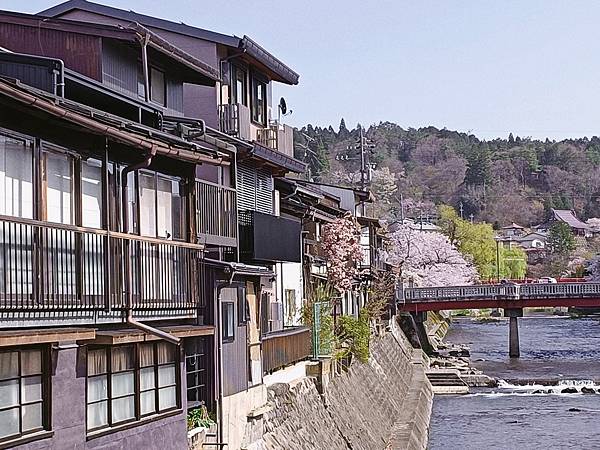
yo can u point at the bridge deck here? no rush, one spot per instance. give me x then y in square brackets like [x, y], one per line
[500, 296]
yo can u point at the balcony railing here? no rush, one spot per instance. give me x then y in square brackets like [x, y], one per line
[235, 120]
[282, 348]
[46, 266]
[216, 212]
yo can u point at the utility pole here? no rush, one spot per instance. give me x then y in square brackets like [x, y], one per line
[461, 210]
[365, 167]
[363, 164]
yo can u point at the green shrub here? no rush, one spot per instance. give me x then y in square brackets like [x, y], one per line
[354, 335]
[199, 417]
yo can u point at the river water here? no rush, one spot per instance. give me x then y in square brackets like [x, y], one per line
[512, 416]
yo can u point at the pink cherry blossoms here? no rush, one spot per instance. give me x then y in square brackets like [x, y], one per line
[429, 259]
[341, 244]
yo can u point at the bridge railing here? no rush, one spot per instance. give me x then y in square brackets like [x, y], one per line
[500, 291]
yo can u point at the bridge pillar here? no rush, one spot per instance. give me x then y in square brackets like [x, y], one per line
[513, 331]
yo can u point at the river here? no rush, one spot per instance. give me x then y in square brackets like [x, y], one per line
[512, 416]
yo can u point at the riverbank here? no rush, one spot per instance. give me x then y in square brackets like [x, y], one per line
[385, 403]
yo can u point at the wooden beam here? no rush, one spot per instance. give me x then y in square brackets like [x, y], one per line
[131, 335]
[45, 336]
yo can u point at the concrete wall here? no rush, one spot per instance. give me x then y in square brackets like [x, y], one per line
[385, 403]
[69, 415]
[236, 409]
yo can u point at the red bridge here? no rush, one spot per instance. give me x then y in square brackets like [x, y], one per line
[511, 297]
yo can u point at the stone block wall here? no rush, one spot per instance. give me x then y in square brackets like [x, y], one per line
[385, 403]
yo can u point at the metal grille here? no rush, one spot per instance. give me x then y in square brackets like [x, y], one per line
[255, 189]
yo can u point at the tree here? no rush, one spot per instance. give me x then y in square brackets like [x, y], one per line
[429, 259]
[561, 239]
[513, 263]
[341, 244]
[593, 269]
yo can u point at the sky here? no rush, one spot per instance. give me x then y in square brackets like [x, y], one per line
[481, 66]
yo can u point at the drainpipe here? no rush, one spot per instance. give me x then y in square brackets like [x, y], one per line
[219, 321]
[128, 279]
[144, 43]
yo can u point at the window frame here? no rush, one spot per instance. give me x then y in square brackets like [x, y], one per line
[138, 416]
[46, 394]
[236, 70]
[257, 81]
[227, 335]
[135, 222]
[151, 71]
[197, 349]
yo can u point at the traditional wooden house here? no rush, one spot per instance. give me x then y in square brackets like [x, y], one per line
[215, 89]
[100, 306]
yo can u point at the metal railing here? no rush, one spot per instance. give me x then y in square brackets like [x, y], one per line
[500, 291]
[216, 213]
[51, 266]
[282, 348]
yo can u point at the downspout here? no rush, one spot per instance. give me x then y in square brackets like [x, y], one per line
[128, 279]
[144, 43]
[218, 314]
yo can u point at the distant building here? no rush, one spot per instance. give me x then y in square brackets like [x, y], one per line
[513, 230]
[567, 216]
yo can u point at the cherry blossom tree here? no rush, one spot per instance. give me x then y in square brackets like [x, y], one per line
[341, 244]
[594, 223]
[429, 259]
[593, 268]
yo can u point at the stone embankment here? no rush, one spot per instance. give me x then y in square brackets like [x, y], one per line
[383, 404]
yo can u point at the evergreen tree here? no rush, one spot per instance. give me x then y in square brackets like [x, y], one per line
[343, 132]
[561, 239]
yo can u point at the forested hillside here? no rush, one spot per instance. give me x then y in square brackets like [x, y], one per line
[499, 181]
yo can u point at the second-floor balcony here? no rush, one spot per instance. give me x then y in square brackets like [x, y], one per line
[216, 211]
[52, 268]
[268, 238]
[235, 121]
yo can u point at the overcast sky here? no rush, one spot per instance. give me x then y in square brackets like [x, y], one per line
[489, 67]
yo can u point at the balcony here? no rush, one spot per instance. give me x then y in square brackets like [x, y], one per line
[268, 238]
[235, 121]
[216, 213]
[282, 348]
[52, 268]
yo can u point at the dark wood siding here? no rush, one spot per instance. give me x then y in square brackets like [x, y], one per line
[174, 95]
[79, 52]
[33, 75]
[235, 353]
[120, 67]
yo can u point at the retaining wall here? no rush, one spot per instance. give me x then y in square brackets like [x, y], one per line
[385, 403]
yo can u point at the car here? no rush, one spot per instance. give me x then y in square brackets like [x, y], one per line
[547, 280]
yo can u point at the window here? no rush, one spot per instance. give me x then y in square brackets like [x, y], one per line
[157, 86]
[197, 371]
[16, 186]
[239, 86]
[259, 101]
[58, 187]
[22, 392]
[91, 193]
[228, 318]
[114, 394]
[161, 206]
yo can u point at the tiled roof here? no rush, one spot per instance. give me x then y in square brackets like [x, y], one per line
[568, 216]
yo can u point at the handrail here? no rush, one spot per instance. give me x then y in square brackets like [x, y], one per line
[503, 291]
[210, 183]
[97, 231]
